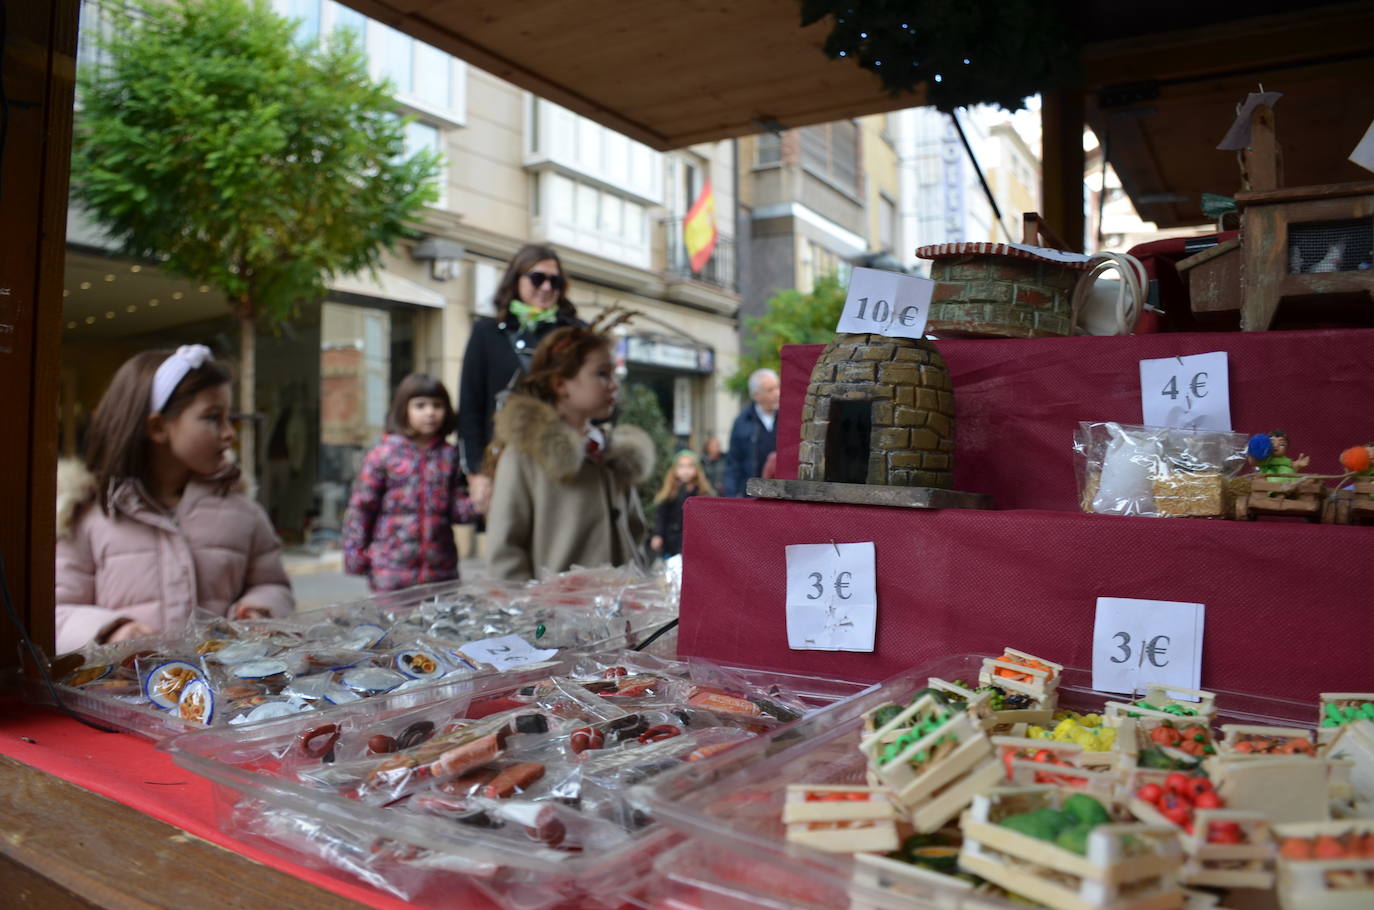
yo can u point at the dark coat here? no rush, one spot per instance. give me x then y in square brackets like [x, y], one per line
[494, 354]
[750, 444]
[668, 520]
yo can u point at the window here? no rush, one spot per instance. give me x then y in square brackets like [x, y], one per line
[691, 186]
[594, 219]
[391, 55]
[423, 136]
[887, 223]
[831, 150]
[768, 150]
[306, 13]
[571, 143]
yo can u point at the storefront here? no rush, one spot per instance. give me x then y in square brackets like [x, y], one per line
[679, 373]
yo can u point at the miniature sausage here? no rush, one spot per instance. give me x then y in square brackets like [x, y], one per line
[513, 779]
[467, 756]
[316, 741]
[719, 701]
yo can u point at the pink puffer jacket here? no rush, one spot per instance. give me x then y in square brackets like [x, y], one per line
[155, 567]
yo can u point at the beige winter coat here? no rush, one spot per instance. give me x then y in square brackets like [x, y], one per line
[143, 563]
[552, 507]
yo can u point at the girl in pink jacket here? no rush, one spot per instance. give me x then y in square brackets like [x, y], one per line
[151, 526]
[409, 494]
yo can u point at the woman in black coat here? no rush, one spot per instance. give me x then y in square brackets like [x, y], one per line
[531, 301]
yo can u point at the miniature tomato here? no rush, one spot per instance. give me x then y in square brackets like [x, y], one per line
[1208, 799]
[1225, 833]
[1245, 746]
[1175, 810]
[1296, 848]
[1176, 782]
[1327, 847]
[1197, 786]
[1368, 848]
[1150, 793]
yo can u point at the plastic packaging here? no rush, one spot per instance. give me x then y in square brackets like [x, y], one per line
[1157, 472]
[732, 808]
[412, 641]
[517, 786]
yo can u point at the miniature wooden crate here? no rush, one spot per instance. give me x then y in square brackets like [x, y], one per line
[1024, 771]
[1163, 696]
[1315, 884]
[1133, 735]
[1232, 734]
[1106, 760]
[1105, 879]
[979, 704]
[1207, 865]
[840, 826]
[1341, 699]
[1042, 688]
[946, 781]
[1286, 788]
[1354, 743]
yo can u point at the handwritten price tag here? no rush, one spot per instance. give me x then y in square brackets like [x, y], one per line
[506, 651]
[832, 600]
[886, 303]
[1139, 642]
[1192, 392]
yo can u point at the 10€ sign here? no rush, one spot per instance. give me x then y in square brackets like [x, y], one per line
[831, 597]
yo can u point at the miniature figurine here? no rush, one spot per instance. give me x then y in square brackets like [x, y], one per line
[1268, 453]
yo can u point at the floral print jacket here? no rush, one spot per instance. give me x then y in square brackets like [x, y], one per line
[398, 529]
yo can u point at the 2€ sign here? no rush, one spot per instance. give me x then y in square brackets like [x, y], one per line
[886, 303]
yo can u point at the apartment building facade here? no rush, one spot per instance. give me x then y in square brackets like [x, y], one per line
[517, 169]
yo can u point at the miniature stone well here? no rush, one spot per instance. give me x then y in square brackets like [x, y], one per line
[879, 411]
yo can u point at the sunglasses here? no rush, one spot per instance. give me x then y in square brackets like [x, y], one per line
[538, 278]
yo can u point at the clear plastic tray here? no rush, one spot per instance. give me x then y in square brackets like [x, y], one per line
[640, 620]
[738, 855]
[250, 782]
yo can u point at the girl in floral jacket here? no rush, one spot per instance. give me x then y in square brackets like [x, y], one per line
[410, 492]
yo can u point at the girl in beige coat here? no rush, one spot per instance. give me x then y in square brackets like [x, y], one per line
[564, 490]
[152, 527]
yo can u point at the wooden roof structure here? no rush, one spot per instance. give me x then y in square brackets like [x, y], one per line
[1161, 78]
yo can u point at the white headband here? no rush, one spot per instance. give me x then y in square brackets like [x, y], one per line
[171, 371]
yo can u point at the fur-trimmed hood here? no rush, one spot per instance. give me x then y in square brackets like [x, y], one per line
[533, 427]
[75, 488]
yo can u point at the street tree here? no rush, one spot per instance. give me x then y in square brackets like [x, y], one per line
[790, 317]
[211, 141]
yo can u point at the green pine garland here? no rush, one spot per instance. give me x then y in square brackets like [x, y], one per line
[966, 52]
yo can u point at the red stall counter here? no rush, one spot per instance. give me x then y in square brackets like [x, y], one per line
[1289, 606]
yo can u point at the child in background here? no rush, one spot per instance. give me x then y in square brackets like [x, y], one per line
[152, 526]
[564, 489]
[684, 479]
[398, 530]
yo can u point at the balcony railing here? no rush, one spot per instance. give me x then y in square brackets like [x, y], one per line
[719, 270]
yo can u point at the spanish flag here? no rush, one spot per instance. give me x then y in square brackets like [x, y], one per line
[699, 229]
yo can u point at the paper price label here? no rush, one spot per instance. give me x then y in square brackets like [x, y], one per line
[1192, 393]
[886, 303]
[832, 601]
[1140, 642]
[506, 651]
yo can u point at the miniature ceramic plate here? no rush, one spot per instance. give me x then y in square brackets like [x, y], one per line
[89, 674]
[367, 634]
[311, 687]
[240, 652]
[372, 680]
[260, 669]
[268, 710]
[419, 664]
[166, 682]
[197, 704]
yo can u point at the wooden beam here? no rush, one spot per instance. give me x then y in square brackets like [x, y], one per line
[39, 62]
[66, 847]
[1061, 188]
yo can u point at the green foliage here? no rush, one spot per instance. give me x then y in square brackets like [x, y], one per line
[965, 53]
[788, 318]
[639, 407]
[209, 140]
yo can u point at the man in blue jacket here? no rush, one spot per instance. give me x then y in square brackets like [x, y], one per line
[754, 435]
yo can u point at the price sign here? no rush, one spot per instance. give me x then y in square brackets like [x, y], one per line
[1190, 392]
[506, 651]
[832, 600]
[886, 303]
[1140, 642]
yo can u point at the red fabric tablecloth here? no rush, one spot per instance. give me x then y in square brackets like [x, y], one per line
[1017, 402]
[1288, 604]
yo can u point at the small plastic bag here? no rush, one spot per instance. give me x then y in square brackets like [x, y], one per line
[1157, 472]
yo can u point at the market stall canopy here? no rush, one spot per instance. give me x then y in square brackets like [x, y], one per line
[1160, 77]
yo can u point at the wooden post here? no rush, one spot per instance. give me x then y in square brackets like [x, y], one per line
[1061, 165]
[39, 75]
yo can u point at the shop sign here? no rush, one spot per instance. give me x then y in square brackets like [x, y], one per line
[666, 354]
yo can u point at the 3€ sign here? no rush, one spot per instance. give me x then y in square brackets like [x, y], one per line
[886, 303]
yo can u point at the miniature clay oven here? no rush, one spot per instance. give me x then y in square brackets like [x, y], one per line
[879, 411]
